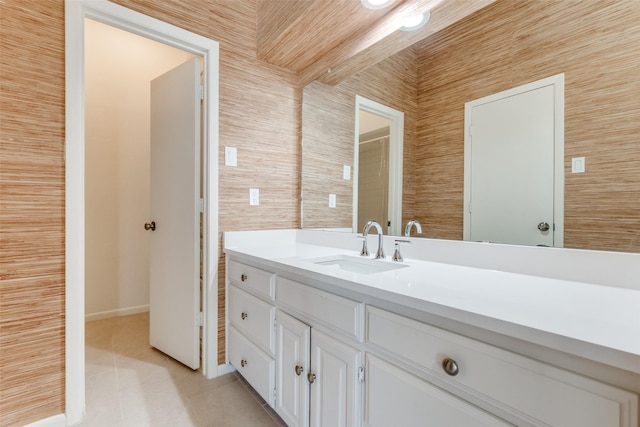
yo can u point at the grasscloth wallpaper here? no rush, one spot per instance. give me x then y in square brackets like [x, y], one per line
[31, 211]
[259, 115]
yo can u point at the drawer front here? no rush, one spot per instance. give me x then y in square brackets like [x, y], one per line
[253, 317]
[251, 279]
[394, 397]
[257, 367]
[530, 390]
[339, 313]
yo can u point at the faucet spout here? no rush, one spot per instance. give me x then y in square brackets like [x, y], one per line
[365, 233]
[410, 224]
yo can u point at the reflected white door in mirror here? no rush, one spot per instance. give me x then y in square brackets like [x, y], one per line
[514, 165]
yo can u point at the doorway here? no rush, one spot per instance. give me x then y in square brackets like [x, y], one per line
[108, 13]
[382, 160]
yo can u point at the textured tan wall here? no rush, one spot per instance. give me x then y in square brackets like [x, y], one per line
[31, 211]
[259, 114]
[328, 123]
[596, 44]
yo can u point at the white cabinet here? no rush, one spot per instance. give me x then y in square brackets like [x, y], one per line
[525, 390]
[302, 349]
[317, 381]
[394, 397]
[336, 392]
[293, 341]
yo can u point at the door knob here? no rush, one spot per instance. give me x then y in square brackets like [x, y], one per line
[150, 225]
[299, 369]
[543, 226]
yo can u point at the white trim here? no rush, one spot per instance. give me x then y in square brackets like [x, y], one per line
[54, 421]
[557, 82]
[396, 148]
[104, 11]
[116, 313]
[225, 369]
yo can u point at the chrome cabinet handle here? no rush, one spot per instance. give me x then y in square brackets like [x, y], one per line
[150, 225]
[243, 363]
[311, 377]
[543, 226]
[243, 277]
[299, 370]
[450, 366]
[244, 315]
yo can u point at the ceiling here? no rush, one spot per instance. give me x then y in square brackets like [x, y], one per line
[330, 40]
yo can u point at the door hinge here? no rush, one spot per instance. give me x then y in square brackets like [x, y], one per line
[200, 319]
[201, 205]
[361, 374]
[275, 324]
[275, 396]
[201, 92]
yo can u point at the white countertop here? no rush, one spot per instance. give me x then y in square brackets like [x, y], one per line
[596, 322]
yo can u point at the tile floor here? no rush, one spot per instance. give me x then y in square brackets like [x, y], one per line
[130, 384]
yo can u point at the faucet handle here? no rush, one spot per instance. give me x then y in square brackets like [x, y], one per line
[397, 256]
[365, 250]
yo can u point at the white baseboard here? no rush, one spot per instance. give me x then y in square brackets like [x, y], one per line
[55, 421]
[115, 313]
[225, 369]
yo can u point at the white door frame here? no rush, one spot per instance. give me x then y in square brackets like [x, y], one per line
[396, 149]
[117, 16]
[557, 82]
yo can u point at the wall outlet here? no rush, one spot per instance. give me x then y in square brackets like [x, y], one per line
[332, 200]
[254, 196]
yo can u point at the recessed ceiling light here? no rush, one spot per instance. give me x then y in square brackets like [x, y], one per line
[376, 4]
[415, 22]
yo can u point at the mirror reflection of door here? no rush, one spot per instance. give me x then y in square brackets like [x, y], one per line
[373, 170]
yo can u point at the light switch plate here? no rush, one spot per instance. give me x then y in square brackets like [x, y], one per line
[332, 200]
[346, 172]
[254, 196]
[230, 156]
[578, 165]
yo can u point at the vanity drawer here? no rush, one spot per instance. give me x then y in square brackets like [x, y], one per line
[251, 279]
[257, 367]
[253, 317]
[339, 313]
[532, 391]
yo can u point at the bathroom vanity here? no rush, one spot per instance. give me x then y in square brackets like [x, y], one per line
[454, 335]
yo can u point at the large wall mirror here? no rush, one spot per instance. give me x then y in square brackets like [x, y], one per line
[507, 44]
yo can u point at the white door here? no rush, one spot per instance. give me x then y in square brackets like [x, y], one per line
[336, 389]
[175, 210]
[510, 184]
[292, 349]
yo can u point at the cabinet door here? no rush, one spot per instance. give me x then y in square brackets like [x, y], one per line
[394, 397]
[292, 353]
[336, 390]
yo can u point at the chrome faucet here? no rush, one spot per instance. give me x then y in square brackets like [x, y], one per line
[410, 224]
[365, 233]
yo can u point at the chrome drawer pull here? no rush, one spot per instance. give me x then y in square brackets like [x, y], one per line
[243, 363]
[243, 277]
[299, 370]
[244, 315]
[450, 367]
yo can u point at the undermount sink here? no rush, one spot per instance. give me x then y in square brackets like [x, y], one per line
[357, 264]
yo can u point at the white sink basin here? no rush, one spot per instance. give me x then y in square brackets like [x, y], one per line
[357, 264]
